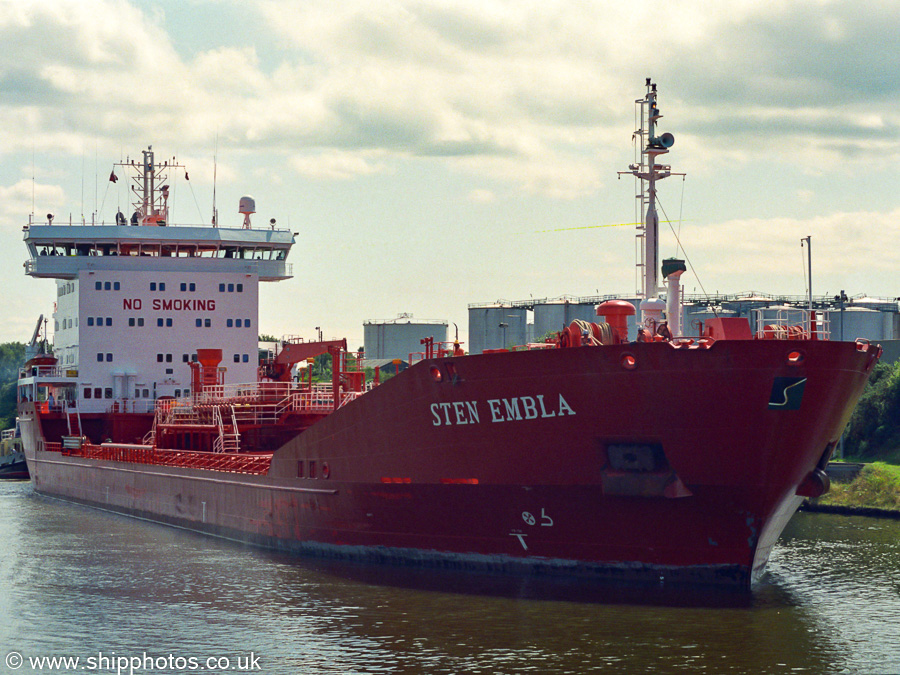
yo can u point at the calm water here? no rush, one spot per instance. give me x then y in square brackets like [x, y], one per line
[77, 582]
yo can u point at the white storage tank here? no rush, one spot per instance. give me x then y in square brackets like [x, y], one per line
[400, 337]
[696, 316]
[881, 304]
[496, 326]
[554, 315]
[860, 322]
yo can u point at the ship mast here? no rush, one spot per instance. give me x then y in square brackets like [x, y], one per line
[649, 172]
[151, 192]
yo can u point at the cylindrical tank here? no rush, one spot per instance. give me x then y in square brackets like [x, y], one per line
[695, 315]
[497, 326]
[881, 304]
[554, 315]
[857, 322]
[746, 305]
[400, 337]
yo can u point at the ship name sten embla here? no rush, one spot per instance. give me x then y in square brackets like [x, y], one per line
[502, 410]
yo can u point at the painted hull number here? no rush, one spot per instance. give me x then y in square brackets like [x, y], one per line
[546, 521]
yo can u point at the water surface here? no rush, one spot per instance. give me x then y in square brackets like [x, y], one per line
[79, 582]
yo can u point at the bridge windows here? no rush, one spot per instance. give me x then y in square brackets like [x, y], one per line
[231, 288]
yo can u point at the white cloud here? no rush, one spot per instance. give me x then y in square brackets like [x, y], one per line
[338, 165]
[538, 85]
[844, 245]
[18, 199]
[482, 196]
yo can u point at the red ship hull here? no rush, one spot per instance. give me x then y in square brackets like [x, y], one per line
[637, 461]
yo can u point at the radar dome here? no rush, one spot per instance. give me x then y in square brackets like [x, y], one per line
[247, 205]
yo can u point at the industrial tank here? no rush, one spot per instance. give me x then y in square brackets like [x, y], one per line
[400, 337]
[696, 316]
[860, 322]
[497, 325]
[554, 315]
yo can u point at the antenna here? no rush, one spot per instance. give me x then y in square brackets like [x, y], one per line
[648, 171]
[808, 241]
[215, 215]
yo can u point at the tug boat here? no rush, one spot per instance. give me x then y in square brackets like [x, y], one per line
[672, 458]
[12, 458]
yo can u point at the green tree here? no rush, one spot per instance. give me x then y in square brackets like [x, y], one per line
[12, 356]
[874, 428]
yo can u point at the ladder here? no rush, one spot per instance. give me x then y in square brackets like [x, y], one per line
[77, 415]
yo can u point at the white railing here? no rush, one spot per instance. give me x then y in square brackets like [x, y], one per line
[219, 443]
[130, 405]
[49, 371]
[234, 442]
[150, 436]
[281, 397]
[791, 323]
[98, 405]
[350, 396]
[247, 404]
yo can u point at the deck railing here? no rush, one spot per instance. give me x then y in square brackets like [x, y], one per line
[791, 323]
[49, 371]
[254, 404]
[250, 463]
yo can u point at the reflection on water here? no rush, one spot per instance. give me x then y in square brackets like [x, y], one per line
[77, 581]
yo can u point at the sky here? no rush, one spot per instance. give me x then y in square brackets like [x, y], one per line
[431, 154]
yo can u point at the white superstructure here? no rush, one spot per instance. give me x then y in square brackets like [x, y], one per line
[135, 301]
